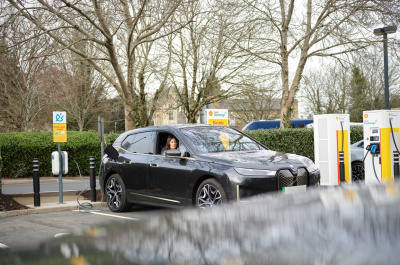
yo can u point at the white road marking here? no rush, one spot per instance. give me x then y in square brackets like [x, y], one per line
[3, 246]
[61, 234]
[111, 215]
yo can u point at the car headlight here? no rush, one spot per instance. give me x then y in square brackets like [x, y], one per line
[311, 167]
[250, 171]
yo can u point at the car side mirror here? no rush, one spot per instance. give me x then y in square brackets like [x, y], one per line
[174, 152]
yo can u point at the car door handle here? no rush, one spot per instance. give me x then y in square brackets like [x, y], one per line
[153, 165]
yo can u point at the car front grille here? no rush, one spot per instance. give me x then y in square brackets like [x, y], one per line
[287, 179]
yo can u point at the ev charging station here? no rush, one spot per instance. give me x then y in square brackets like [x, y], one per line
[381, 145]
[332, 148]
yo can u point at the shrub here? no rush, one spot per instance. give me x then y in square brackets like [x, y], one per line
[298, 141]
[19, 149]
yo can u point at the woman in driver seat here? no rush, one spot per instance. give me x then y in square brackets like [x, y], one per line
[172, 143]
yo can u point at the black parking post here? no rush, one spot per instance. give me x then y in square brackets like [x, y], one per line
[341, 167]
[396, 165]
[36, 185]
[92, 179]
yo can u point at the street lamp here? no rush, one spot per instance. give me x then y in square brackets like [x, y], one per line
[385, 31]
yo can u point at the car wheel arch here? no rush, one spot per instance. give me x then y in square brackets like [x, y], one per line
[109, 174]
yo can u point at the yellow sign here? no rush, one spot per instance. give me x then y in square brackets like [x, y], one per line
[218, 122]
[60, 133]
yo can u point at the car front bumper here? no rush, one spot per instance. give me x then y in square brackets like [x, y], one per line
[246, 186]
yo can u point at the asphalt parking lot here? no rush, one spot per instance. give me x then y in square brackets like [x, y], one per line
[31, 229]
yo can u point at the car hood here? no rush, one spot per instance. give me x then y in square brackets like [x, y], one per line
[259, 159]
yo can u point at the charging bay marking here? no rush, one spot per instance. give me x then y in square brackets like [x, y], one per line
[61, 234]
[111, 215]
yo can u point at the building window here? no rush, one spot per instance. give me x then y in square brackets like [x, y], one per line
[171, 116]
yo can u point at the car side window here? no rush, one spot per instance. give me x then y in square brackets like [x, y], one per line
[184, 151]
[139, 143]
[126, 144]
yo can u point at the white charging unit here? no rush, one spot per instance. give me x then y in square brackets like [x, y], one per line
[381, 139]
[55, 162]
[331, 136]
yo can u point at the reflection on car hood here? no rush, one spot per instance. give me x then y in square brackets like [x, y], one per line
[255, 159]
[333, 225]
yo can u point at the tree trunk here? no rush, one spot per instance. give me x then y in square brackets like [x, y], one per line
[129, 114]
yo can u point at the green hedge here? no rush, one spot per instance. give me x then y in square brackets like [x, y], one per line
[19, 149]
[298, 141]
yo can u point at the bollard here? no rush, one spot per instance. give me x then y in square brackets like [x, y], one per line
[341, 167]
[92, 179]
[36, 185]
[396, 165]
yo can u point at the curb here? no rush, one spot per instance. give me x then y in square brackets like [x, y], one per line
[48, 208]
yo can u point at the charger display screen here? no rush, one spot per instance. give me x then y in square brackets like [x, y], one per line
[374, 138]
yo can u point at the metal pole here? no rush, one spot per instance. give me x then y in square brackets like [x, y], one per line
[92, 179]
[100, 126]
[60, 174]
[36, 185]
[386, 70]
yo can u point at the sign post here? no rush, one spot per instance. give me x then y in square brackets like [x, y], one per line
[60, 136]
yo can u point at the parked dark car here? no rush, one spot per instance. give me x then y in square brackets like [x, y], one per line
[214, 165]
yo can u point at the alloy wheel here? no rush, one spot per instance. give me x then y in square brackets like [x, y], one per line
[114, 193]
[357, 171]
[209, 196]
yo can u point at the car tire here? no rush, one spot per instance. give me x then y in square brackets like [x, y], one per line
[357, 171]
[209, 194]
[116, 194]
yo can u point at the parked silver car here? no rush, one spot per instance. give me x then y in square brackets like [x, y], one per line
[357, 161]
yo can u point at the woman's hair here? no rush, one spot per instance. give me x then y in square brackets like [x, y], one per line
[168, 145]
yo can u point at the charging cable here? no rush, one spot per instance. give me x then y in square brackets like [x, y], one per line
[373, 165]
[391, 128]
[372, 150]
[86, 205]
[396, 173]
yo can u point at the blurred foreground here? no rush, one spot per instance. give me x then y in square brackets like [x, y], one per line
[328, 225]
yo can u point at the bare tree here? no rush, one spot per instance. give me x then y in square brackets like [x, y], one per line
[286, 33]
[153, 72]
[23, 87]
[326, 90]
[115, 28]
[207, 66]
[80, 89]
[255, 103]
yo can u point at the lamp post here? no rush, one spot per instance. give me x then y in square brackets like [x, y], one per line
[385, 31]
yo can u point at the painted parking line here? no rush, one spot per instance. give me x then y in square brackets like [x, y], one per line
[111, 215]
[61, 234]
[3, 246]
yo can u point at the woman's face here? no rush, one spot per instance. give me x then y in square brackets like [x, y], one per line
[173, 143]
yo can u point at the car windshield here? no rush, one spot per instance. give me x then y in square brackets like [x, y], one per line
[219, 139]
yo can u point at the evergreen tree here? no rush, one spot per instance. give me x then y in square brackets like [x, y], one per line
[359, 95]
